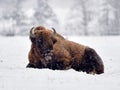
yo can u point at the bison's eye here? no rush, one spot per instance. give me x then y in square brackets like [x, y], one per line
[40, 40]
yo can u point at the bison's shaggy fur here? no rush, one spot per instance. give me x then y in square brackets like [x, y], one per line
[50, 50]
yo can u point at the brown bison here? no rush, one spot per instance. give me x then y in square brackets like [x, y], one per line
[50, 50]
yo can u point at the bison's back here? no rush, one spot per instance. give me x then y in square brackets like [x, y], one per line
[68, 52]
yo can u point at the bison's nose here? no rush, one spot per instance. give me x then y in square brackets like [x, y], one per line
[47, 51]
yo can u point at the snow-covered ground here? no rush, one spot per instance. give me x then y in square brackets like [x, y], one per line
[14, 75]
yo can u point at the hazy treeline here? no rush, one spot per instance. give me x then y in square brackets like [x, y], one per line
[85, 17]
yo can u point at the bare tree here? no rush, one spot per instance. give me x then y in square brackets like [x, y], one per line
[80, 17]
[83, 4]
[12, 15]
[104, 20]
[115, 24]
[44, 14]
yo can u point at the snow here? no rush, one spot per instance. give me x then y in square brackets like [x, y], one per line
[14, 75]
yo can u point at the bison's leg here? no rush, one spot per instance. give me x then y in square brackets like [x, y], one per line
[92, 63]
[38, 64]
[59, 64]
[56, 65]
[30, 66]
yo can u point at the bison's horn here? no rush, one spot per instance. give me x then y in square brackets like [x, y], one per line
[31, 32]
[54, 36]
[54, 30]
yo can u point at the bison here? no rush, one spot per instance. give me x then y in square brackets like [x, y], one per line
[51, 50]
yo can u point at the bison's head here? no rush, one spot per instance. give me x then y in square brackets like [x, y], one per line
[43, 39]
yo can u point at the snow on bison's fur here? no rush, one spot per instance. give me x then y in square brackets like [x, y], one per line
[50, 50]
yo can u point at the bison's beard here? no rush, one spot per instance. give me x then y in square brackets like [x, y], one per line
[48, 55]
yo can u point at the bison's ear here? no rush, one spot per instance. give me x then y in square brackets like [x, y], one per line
[54, 39]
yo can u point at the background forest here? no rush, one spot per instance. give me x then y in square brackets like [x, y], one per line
[68, 17]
